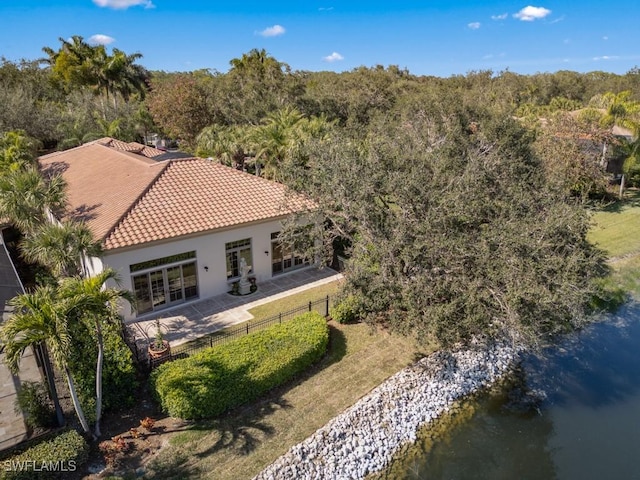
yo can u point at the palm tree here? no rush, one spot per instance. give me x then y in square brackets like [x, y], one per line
[98, 305]
[282, 135]
[42, 316]
[230, 144]
[624, 112]
[60, 247]
[17, 151]
[26, 197]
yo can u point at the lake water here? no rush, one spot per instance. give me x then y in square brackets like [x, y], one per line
[571, 413]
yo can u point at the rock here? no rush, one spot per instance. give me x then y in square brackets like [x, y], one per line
[364, 438]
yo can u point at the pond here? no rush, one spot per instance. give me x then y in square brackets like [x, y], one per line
[572, 412]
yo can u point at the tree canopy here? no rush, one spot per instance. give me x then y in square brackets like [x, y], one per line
[455, 230]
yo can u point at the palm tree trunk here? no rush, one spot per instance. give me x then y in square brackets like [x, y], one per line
[99, 365]
[76, 403]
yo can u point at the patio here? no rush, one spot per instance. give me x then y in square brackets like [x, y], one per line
[194, 320]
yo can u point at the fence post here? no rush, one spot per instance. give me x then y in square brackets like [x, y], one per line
[210, 340]
[280, 317]
[309, 306]
[247, 328]
[326, 307]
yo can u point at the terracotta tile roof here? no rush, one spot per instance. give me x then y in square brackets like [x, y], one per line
[134, 147]
[127, 199]
[196, 195]
[102, 183]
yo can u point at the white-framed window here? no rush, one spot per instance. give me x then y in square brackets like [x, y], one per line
[234, 252]
[163, 282]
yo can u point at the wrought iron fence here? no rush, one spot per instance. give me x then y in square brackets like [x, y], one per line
[321, 306]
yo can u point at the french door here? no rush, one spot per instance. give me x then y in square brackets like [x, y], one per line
[165, 287]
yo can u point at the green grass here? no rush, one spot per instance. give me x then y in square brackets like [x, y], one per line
[616, 230]
[295, 300]
[242, 443]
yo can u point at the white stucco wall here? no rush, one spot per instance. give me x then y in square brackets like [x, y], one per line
[210, 252]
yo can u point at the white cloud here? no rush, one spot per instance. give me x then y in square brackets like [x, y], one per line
[325, 9]
[606, 57]
[123, 4]
[273, 31]
[529, 13]
[499, 17]
[334, 57]
[605, 38]
[100, 39]
[474, 25]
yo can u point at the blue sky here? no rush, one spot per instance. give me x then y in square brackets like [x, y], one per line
[439, 38]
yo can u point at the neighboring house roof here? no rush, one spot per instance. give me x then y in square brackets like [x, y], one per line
[127, 199]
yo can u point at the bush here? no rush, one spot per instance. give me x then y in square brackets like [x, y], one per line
[50, 459]
[347, 310]
[118, 375]
[33, 401]
[216, 379]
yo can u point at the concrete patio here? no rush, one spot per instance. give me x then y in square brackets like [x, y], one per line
[197, 319]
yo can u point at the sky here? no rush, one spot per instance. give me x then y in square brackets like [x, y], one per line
[440, 38]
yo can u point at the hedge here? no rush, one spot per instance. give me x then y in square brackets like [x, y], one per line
[54, 458]
[216, 379]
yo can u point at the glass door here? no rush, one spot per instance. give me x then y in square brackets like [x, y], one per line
[174, 283]
[158, 295]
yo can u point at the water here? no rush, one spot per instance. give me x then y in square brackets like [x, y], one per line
[572, 413]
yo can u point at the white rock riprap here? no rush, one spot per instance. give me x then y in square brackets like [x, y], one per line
[363, 439]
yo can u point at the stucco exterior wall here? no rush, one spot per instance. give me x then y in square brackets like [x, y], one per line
[210, 252]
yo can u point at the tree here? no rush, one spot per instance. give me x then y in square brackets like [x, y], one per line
[97, 305]
[26, 197]
[178, 106]
[455, 231]
[230, 144]
[17, 151]
[60, 247]
[42, 316]
[573, 153]
[255, 85]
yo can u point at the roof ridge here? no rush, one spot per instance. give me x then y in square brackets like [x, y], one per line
[165, 166]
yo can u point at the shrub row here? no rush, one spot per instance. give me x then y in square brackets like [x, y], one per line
[54, 458]
[214, 380]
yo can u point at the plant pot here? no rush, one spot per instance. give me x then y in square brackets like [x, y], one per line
[159, 353]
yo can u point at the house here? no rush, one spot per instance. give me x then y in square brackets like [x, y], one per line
[175, 229]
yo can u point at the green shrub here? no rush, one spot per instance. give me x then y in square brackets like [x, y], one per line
[50, 459]
[216, 379]
[33, 401]
[118, 376]
[347, 310]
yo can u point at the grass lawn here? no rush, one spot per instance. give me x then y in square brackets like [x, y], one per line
[241, 444]
[295, 300]
[616, 230]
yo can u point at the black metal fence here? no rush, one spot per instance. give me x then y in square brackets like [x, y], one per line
[321, 306]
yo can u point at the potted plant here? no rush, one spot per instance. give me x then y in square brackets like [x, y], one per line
[159, 347]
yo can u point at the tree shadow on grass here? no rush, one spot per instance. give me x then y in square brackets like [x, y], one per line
[241, 430]
[631, 199]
